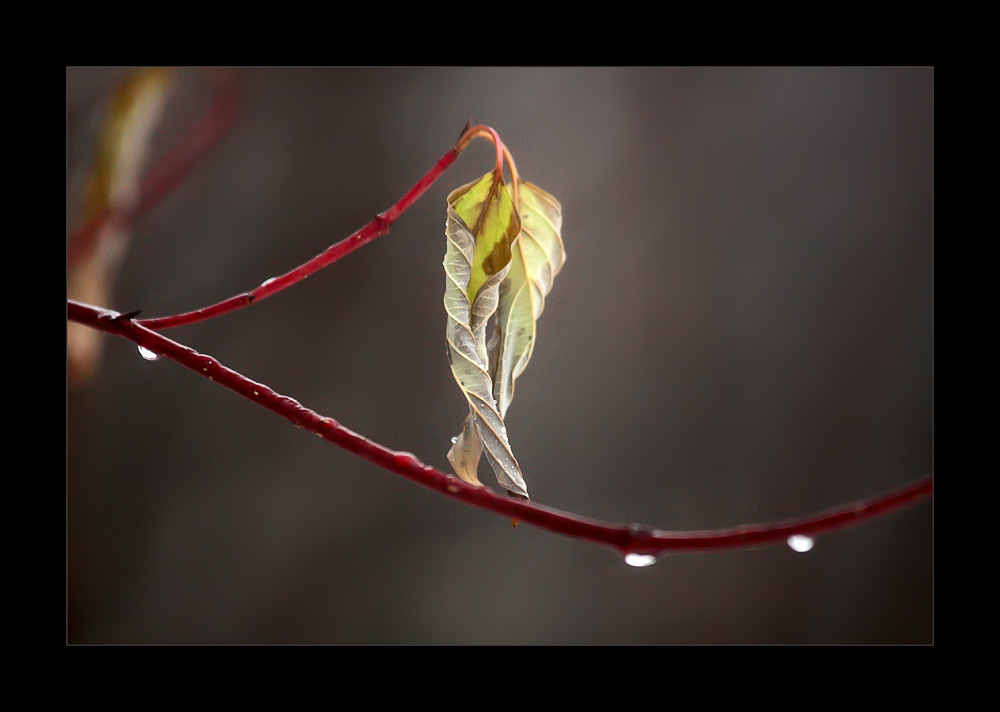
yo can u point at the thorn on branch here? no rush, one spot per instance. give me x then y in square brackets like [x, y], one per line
[468, 125]
[128, 316]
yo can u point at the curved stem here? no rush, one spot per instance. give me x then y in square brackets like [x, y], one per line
[487, 132]
[503, 153]
[379, 225]
[621, 537]
[515, 179]
[196, 144]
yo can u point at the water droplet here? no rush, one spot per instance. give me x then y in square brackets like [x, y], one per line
[147, 354]
[800, 543]
[406, 459]
[266, 282]
[640, 560]
[454, 439]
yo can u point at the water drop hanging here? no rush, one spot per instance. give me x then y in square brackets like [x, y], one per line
[147, 354]
[406, 459]
[640, 560]
[800, 543]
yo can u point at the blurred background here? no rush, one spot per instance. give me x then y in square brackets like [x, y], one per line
[742, 332]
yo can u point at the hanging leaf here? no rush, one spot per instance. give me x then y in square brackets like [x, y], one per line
[482, 224]
[537, 257]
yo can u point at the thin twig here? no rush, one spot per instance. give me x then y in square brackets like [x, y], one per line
[379, 225]
[627, 539]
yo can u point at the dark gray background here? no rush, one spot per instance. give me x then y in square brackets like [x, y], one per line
[742, 332]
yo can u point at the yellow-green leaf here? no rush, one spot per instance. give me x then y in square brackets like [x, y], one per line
[537, 257]
[482, 223]
[487, 209]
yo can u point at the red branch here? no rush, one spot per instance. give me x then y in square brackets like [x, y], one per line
[168, 173]
[627, 539]
[379, 225]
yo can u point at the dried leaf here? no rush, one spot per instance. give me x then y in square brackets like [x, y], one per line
[537, 256]
[466, 449]
[482, 224]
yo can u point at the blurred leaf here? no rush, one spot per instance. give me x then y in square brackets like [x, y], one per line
[132, 115]
[481, 226]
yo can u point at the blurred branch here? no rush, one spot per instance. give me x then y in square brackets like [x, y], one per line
[167, 174]
[627, 539]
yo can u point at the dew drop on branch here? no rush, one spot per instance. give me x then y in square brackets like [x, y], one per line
[406, 459]
[640, 560]
[800, 543]
[266, 282]
[147, 354]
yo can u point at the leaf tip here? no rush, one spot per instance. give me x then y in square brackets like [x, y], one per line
[519, 495]
[464, 455]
